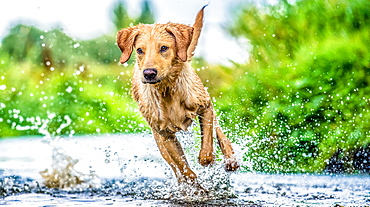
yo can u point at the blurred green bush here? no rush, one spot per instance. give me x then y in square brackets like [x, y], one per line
[37, 101]
[304, 93]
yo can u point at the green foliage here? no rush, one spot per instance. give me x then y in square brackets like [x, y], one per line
[56, 49]
[94, 99]
[304, 92]
[20, 41]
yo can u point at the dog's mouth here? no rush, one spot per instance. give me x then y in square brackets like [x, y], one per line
[150, 81]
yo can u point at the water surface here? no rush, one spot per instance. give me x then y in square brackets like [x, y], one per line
[127, 170]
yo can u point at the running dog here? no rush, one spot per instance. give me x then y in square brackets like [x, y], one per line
[170, 94]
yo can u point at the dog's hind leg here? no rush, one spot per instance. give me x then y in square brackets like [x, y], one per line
[231, 163]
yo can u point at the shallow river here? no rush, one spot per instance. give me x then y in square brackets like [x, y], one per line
[127, 170]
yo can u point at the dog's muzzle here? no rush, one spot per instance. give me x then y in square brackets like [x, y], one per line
[150, 76]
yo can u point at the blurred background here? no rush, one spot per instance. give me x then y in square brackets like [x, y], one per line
[290, 79]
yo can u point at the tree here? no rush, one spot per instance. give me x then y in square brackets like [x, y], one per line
[120, 16]
[146, 16]
[20, 41]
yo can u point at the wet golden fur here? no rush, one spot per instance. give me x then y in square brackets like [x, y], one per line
[170, 94]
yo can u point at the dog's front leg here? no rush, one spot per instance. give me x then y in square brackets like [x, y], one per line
[172, 152]
[206, 156]
[208, 123]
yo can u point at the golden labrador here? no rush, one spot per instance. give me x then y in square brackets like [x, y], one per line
[170, 94]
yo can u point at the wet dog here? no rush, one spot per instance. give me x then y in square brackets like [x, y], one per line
[170, 94]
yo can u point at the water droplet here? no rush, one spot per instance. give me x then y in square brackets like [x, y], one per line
[69, 89]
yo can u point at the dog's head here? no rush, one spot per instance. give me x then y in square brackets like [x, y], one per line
[159, 47]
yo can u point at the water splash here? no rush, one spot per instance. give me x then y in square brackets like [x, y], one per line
[214, 178]
[132, 182]
[62, 173]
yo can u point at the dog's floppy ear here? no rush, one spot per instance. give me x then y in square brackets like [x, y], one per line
[198, 25]
[125, 42]
[183, 35]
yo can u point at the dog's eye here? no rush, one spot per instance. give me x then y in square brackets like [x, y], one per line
[164, 48]
[140, 51]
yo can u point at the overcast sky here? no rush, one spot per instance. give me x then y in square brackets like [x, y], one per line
[86, 19]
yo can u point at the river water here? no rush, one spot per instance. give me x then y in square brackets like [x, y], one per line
[127, 170]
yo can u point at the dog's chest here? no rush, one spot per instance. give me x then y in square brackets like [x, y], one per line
[173, 114]
[167, 111]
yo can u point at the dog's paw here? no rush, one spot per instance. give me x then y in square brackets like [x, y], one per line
[192, 188]
[206, 158]
[231, 164]
[198, 190]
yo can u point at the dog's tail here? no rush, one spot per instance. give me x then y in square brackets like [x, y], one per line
[197, 28]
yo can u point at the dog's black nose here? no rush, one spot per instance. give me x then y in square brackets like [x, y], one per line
[150, 74]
